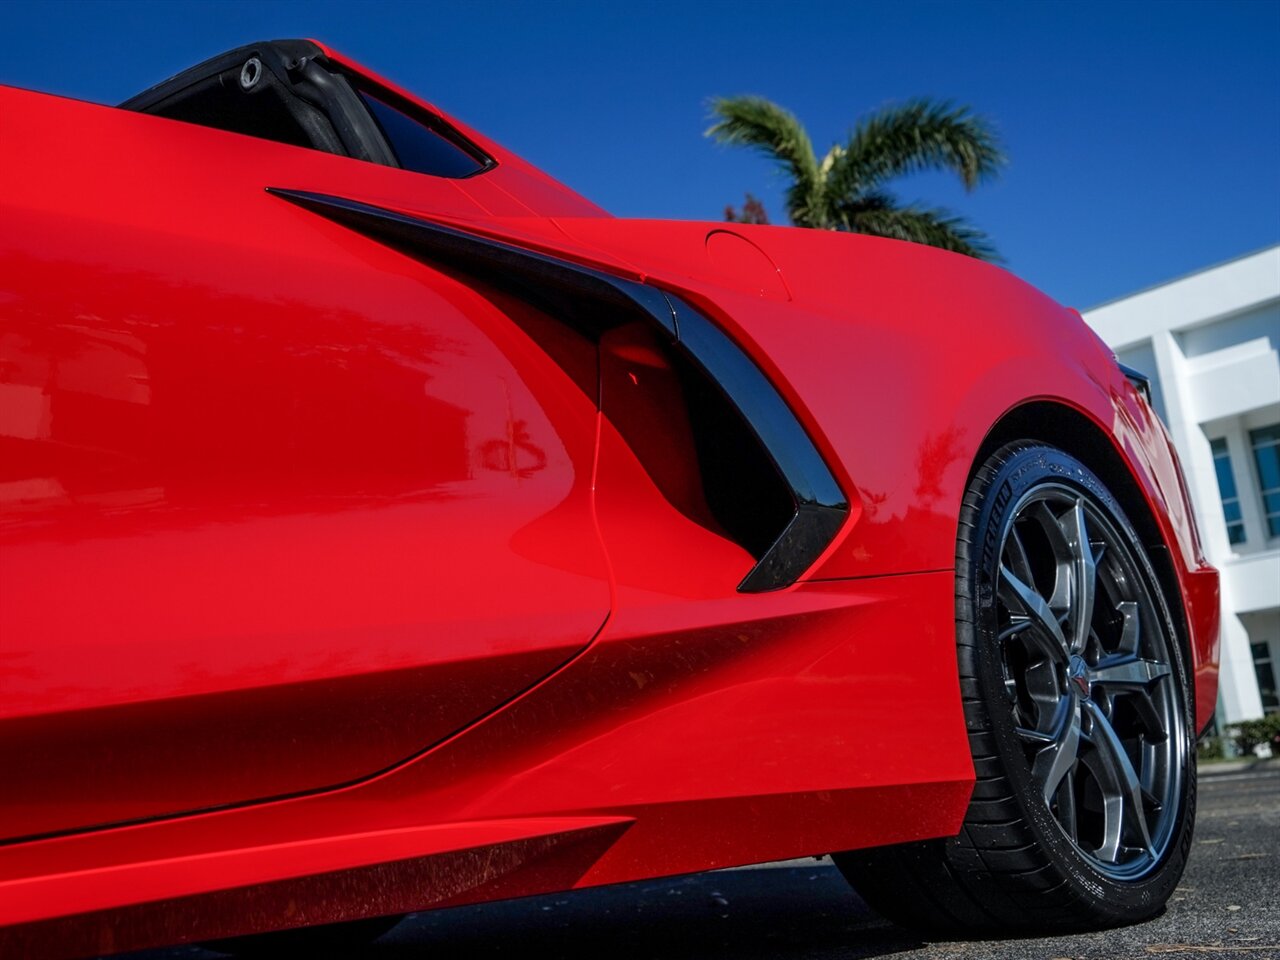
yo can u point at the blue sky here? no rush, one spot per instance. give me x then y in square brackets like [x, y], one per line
[1144, 137]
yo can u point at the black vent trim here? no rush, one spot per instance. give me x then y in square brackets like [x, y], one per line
[593, 300]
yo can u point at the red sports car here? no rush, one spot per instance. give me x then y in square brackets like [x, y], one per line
[385, 527]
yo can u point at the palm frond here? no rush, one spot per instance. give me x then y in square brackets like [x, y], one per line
[918, 135]
[937, 228]
[845, 213]
[775, 132]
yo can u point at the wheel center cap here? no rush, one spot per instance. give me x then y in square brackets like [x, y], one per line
[1078, 677]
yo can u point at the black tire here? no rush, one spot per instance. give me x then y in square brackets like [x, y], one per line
[326, 940]
[1107, 845]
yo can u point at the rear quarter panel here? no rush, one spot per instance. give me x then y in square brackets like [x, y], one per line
[901, 359]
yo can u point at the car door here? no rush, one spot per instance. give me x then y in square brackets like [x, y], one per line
[280, 507]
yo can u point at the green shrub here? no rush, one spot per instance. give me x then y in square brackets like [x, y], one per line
[1211, 748]
[1253, 733]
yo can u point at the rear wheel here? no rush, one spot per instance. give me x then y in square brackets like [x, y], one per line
[1075, 695]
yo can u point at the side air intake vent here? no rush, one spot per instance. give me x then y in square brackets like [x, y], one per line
[765, 481]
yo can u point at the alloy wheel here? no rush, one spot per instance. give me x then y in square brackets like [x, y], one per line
[1090, 679]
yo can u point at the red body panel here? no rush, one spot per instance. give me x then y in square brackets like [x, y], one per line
[417, 588]
[321, 455]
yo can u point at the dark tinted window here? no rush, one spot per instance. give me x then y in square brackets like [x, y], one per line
[1227, 488]
[1266, 457]
[418, 147]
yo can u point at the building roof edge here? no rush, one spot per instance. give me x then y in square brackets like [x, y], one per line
[1185, 276]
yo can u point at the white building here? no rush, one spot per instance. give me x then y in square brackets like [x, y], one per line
[1209, 343]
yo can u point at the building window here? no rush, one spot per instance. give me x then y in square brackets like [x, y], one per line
[1266, 457]
[1227, 488]
[1266, 675]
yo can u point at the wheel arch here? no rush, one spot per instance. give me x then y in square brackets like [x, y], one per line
[1076, 433]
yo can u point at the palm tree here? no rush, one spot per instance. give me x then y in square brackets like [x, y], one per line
[846, 189]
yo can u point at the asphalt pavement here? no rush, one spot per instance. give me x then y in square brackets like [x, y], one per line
[1227, 905]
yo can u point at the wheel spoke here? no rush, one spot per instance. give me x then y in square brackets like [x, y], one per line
[1055, 760]
[1083, 575]
[1060, 600]
[1133, 677]
[1149, 772]
[1128, 672]
[1131, 628]
[1121, 790]
[1018, 562]
[1025, 604]
[1052, 717]
[1067, 809]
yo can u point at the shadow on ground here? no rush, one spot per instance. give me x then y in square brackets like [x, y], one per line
[793, 911]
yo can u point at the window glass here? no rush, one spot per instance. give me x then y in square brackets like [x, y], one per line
[1264, 670]
[1227, 490]
[418, 147]
[1266, 457]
